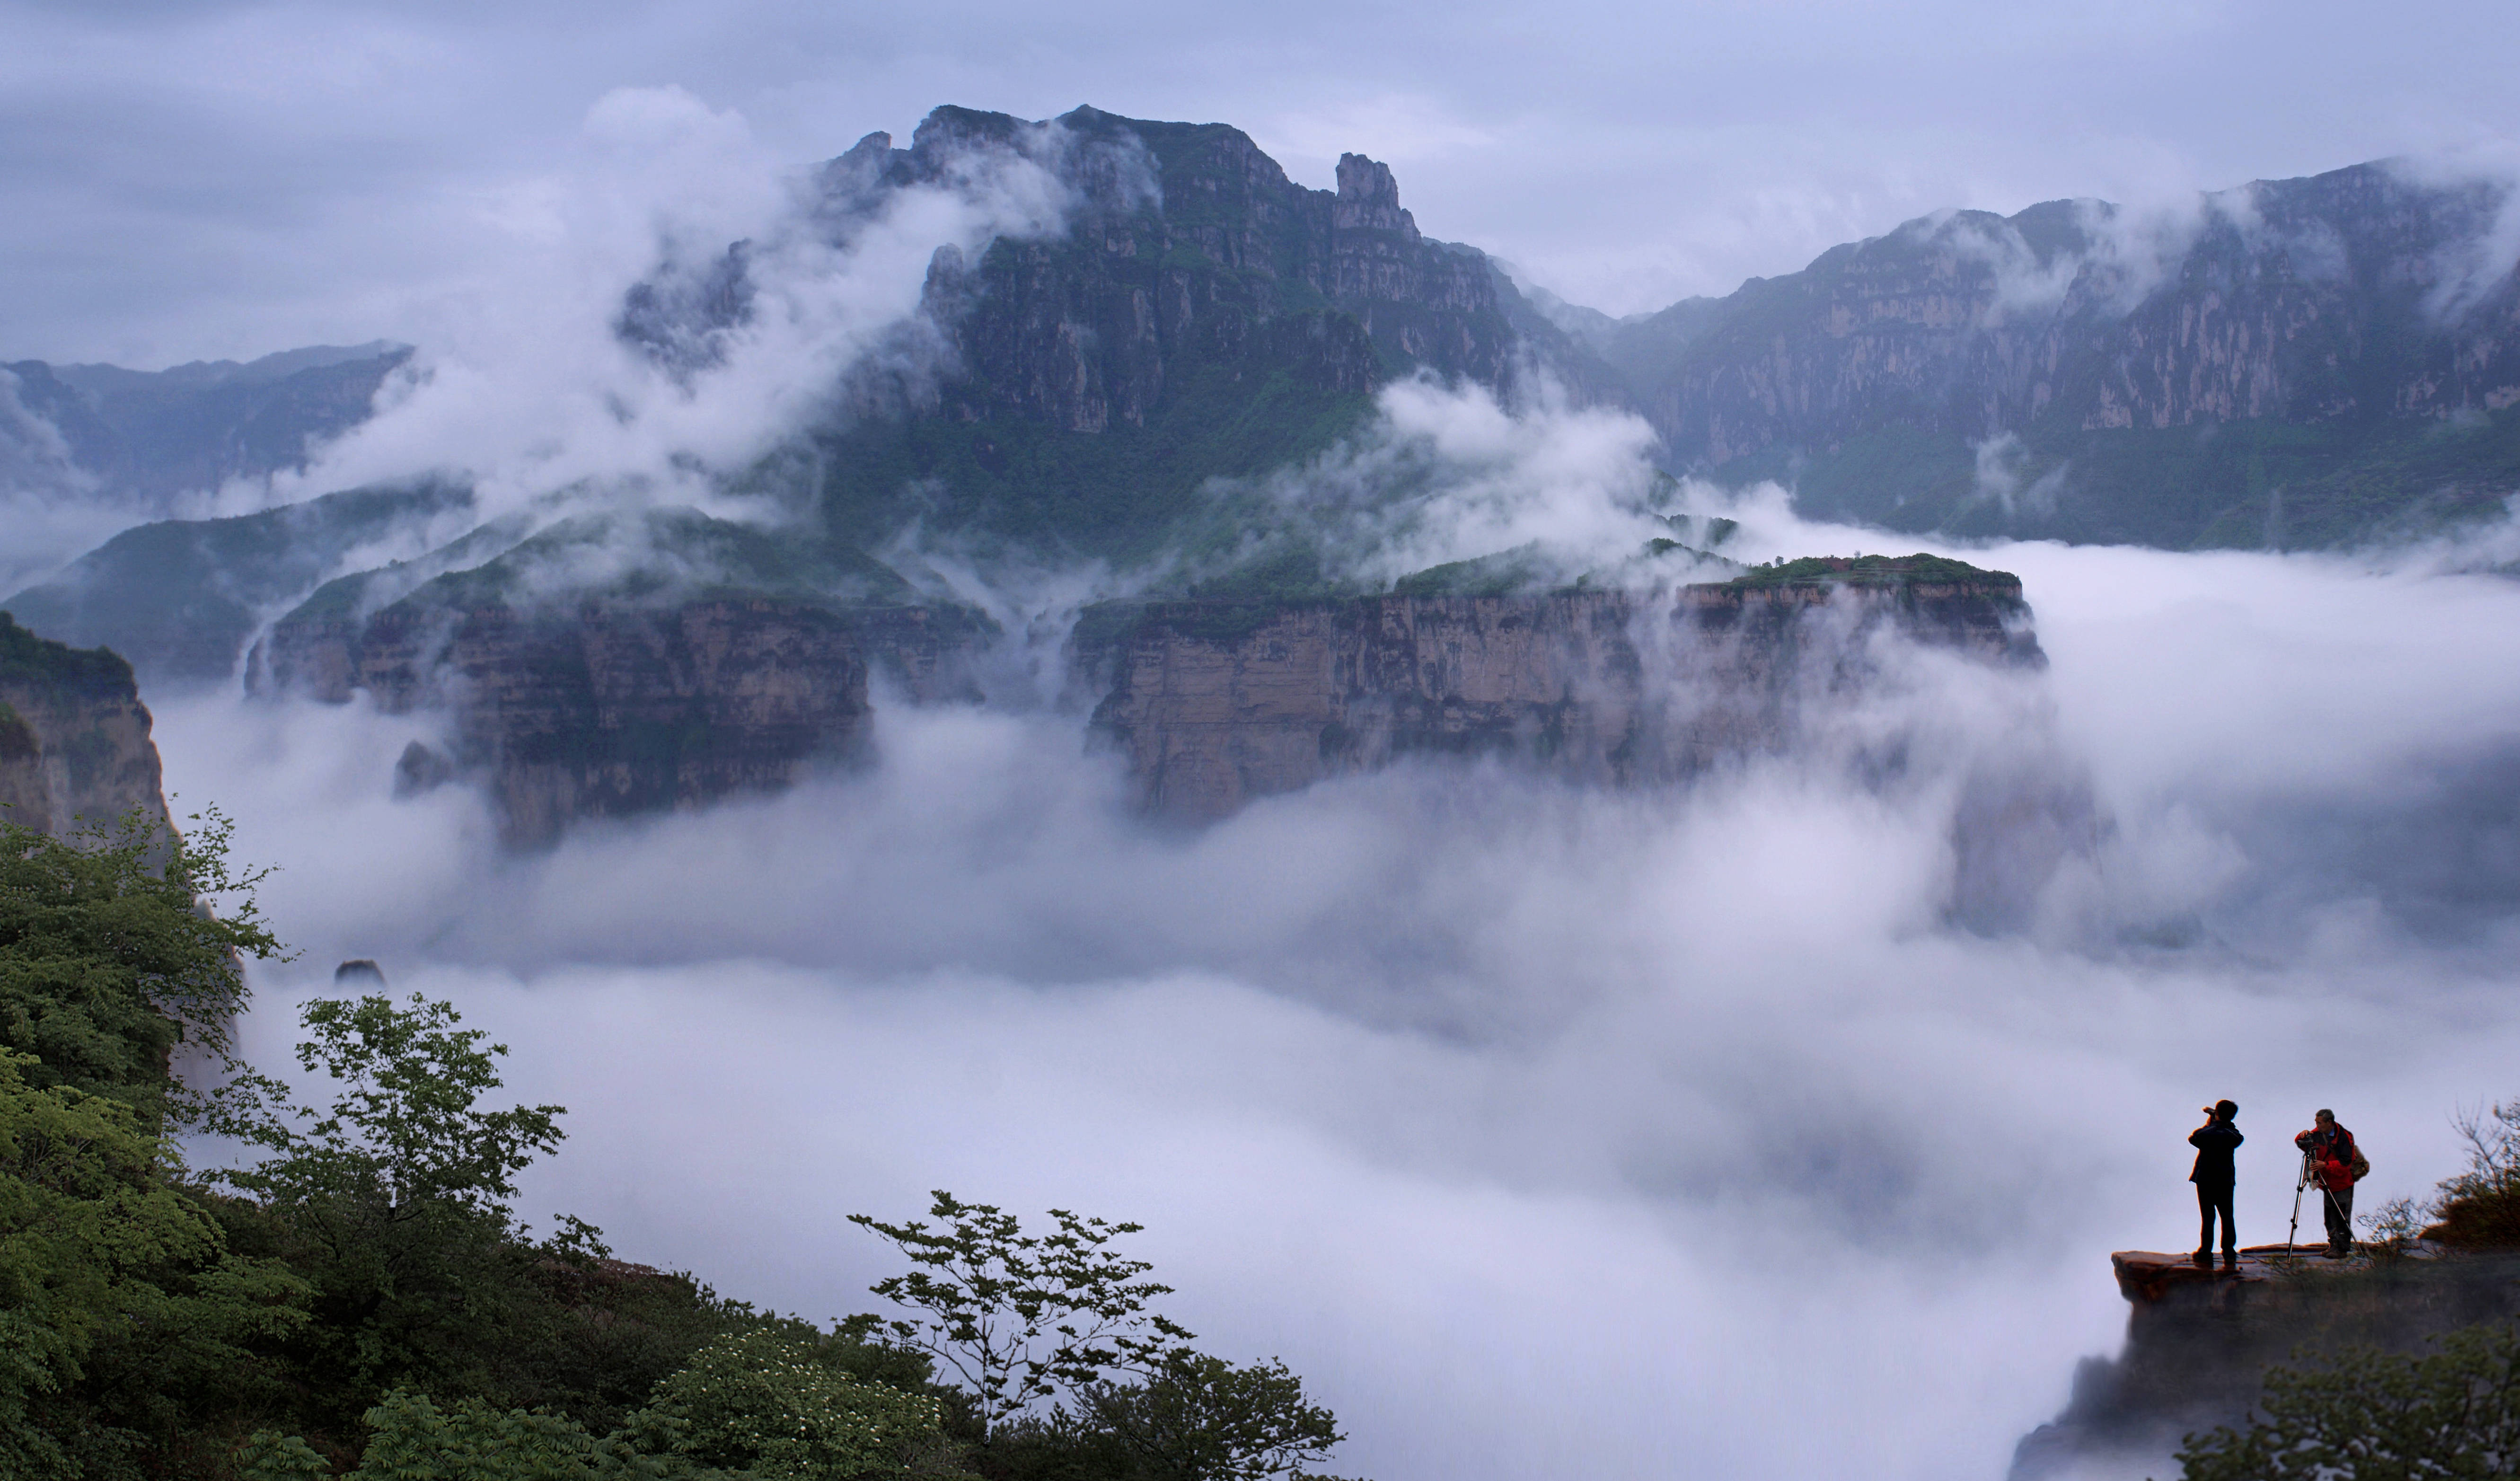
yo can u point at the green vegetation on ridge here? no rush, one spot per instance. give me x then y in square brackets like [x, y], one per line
[356, 1298]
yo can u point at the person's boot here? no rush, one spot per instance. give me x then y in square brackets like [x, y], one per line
[2204, 1257]
[2231, 1259]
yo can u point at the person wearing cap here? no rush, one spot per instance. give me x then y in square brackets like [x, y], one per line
[2215, 1142]
[2335, 1163]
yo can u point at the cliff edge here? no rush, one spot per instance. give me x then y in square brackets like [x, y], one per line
[74, 742]
[2200, 1340]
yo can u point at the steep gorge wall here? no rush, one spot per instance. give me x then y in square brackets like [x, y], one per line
[74, 742]
[594, 710]
[1215, 705]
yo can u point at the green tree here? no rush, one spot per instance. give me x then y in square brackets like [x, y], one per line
[1020, 1318]
[2380, 1416]
[404, 1136]
[1201, 1418]
[108, 1270]
[394, 1203]
[117, 944]
[413, 1438]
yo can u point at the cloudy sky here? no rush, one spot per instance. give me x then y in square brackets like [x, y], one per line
[202, 178]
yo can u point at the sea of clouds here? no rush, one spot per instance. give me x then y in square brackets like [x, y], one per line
[1546, 1131]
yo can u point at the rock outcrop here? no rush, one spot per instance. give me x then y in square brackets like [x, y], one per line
[2199, 1340]
[74, 744]
[577, 710]
[594, 709]
[1216, 704]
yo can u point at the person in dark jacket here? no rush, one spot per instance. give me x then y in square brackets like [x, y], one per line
[2333, 1163]
[2215, 1142]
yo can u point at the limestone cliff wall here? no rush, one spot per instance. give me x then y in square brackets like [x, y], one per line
[1215, 705]
[75, 741]
[594, 710]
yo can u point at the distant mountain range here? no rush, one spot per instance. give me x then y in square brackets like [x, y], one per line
[2296, 363]
[158, 434]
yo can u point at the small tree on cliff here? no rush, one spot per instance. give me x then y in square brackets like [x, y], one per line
[119, 943]
[1019, 1318]
[2380, 1416]
[398, 1197]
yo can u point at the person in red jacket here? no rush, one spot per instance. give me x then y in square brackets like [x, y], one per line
[2333, 1160]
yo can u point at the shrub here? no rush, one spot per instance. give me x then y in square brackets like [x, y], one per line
[765, 1402]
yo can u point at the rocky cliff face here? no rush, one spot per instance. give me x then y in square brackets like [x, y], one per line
[587, 710]
[1215, 704]
[2355, 294]
[74, 742]
[2199, 1341]
[1186, 247]
[594, 709]
[1197, 317]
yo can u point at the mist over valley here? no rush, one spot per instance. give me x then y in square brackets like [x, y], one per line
[1639, 895]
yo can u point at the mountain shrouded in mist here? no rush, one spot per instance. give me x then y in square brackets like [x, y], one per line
[1060, 660]
[1134, 361]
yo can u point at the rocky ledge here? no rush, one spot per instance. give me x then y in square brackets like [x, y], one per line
[2199, 1340]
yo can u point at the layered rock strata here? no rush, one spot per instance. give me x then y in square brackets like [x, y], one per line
[1216, 704]
[598, 710]
[74, 742]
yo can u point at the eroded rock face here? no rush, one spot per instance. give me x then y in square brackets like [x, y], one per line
[593, 710]
[1188, 253]
[2199, 1341]
[1216, 705]
[74, 742]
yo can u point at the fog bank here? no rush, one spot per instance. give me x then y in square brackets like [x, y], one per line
[1545, 1131]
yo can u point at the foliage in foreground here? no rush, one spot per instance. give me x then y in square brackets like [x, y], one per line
[2380, 1416]
[359, 1299]
[2480, 1209]
[105, 963]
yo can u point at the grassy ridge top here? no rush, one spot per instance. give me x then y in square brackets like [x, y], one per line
[1887, 571]
[26, 658]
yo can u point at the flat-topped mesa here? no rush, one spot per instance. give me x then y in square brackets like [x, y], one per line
[1218, 703]
[74, 744]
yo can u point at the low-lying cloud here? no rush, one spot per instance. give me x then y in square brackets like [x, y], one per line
[1543, 1129]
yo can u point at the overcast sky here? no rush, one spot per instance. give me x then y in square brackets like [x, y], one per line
[196, 178]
